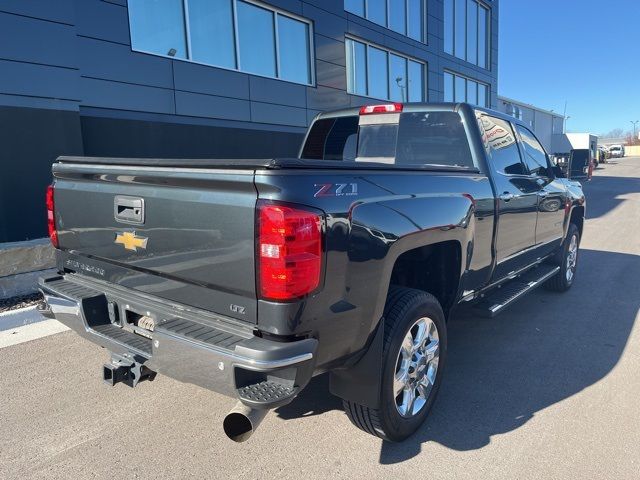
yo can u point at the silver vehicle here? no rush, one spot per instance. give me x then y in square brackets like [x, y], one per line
[616, 151]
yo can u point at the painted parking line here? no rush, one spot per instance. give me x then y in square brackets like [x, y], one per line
[33, 331]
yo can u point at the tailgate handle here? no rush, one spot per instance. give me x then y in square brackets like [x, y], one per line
[128, 209]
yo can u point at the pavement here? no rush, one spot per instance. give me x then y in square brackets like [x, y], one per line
[549, 389]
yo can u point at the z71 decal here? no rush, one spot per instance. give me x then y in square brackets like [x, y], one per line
[335, 189]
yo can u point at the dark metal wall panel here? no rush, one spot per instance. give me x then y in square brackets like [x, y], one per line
[325, 98]
[61, 11]
[278, 114]
[31, 139]
[329, 24]
[29, 79]
[126, 96]
[192, 77]
[210, 106]
[114, 137]
[103, 20]
[331, 75]
[112, 61]
[278, 92]
[330, 50]
[22, 40]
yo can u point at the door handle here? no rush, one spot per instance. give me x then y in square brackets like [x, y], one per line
[128, 209]
[506, 196]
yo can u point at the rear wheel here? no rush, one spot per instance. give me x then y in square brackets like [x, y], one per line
[567, 260]
[415, 347]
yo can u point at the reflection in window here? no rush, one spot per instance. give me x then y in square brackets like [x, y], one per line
[295, 64]
[416, 81]
[448, 87]
[159, 27]
[398, 16]
[397, 78]
[466, 31]
[535, 157]
[256, 39]
[407, 17]
[377, 11]
[210, 35]
[460, 93]
[415, 17]
[378, 73]
[211, 30]
[355, 6]
[500, 142]
[357, 75]
[461, 89]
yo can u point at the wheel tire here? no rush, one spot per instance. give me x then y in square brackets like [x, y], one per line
[405, 307]
[562, 281]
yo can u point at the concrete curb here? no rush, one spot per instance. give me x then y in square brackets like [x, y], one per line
[24, 257]
[19, 318]
[22, 284]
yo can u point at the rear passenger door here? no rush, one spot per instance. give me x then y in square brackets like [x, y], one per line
[552, 195]
[517, 197]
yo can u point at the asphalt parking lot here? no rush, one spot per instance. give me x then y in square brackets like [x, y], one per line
[548, 389]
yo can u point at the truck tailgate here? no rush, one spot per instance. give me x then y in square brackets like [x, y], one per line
[183, 234]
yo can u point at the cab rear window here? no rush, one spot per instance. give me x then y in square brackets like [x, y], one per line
[410, 138]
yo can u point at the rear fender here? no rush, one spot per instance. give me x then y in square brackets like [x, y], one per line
[383, 231]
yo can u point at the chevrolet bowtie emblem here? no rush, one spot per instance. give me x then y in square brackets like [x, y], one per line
[131, 241]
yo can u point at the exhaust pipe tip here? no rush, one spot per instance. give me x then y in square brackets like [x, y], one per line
[242, 421]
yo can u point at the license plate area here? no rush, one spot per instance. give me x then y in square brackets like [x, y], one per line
[139, 321]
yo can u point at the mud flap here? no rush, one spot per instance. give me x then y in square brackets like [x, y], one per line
[361, 382]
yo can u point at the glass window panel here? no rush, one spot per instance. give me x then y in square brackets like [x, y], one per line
[472, 92]
[501, 146]
[535, 156]
[461, 89]
[377, 73]
[157, 26]
[398, 16]
[377, 11]
[397, 78]
[416, 19]
[482, 37]
[432, 138]
[293, 41]
[472, 32]
[211, 30]
[355, 6]
[448, 26]
[482, 95]
[416, 81]
[460, 28]
[448, 87]
[256, 39]
[356, 67]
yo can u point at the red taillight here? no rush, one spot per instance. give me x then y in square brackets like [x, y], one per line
[51, 220]
[387, 108]
[289, 251]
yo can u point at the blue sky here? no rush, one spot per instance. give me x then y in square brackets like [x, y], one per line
[586, 52]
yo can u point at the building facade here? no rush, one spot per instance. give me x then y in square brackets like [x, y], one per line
[546, 124]
[215, 78]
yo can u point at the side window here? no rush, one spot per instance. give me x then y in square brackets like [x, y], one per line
[332, 139]
[534, 155]
[500, 142]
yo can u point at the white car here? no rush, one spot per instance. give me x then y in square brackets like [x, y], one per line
[616, 151]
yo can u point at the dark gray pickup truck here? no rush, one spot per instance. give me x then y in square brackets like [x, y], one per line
[249, 277]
